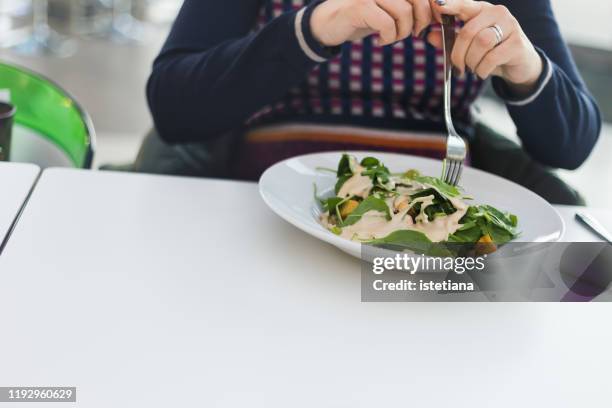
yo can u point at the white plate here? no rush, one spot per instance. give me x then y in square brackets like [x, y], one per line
[288, 189]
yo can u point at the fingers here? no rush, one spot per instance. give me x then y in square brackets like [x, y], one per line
[407, 16]
[478, 45]
[476, 38]
[464, 9]
[435, 13]
[435, 39]
[467, 35]
[422, 16]
[484, 57]
[484, 42]
[496, 58]
[401, 12]
[381, 22]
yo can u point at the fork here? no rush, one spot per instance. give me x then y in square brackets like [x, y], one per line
[455, 146]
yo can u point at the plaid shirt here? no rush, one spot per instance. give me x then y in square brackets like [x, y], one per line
[402, 81]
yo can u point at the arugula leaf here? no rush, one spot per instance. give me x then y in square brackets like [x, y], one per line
[344, 166]
[381, 177]
[346, 169]
[486, 220]
[380, 172]
[411, 240]
[369, 162]
[498, 234]
[442, 209]
[402, 237]
[469, 233]
[438, 198]
[441, 205]
[442, 187]
[501, 219]
[371, 203]
[493, 217]
[331, 203]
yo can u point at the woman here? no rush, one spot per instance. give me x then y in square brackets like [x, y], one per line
[232, 69]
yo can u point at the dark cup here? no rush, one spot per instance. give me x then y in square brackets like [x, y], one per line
[7, 115]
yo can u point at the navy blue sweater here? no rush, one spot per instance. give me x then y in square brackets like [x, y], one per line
[216, 70]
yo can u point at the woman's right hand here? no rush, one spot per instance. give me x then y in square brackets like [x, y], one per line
[334, 22]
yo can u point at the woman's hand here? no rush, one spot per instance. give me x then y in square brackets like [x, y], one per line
[334, 22]
[514, 58]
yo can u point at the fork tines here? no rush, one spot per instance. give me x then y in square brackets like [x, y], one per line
[453, 170]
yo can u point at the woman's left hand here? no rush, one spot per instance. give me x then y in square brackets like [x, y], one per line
[480, 48]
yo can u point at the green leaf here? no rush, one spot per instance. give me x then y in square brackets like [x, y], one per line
[440, 205]
[377, 171]
[468, 225]
[499, 235]
[369, 162]
[436, 210]
[344, 166]
[442, 187]
[469, 234]
[331, 203]
[380, 176]
[503, 220]
[371, 203]
[486, 220]
[411, 240]
[403, 236]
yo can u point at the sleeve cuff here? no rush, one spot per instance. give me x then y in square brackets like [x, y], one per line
[311, 47]
[502, 90]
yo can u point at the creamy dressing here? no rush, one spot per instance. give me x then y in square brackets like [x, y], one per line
[440, 228]
[425, 202]
[398, 202]
[414, 187]
[374, 224]
[357, 185]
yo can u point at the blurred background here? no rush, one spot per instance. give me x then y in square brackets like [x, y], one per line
[100, 51]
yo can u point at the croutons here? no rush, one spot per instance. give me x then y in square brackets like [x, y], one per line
[347, 208]
[485, 239]
[485, 246]
[402, 206]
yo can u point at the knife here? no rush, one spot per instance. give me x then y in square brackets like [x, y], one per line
[590, 222]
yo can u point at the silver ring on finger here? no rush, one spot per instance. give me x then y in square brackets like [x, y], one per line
[499, 34]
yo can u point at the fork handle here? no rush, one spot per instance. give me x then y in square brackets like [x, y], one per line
[594, 225]
[448, 38]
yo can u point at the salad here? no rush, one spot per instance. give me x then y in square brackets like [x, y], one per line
[408, 210]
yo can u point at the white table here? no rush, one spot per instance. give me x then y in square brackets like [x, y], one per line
[156, 291]
[16, 181]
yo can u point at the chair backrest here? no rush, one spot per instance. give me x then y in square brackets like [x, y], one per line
[48, 109]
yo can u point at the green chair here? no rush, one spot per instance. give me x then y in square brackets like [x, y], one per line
[47, 109]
